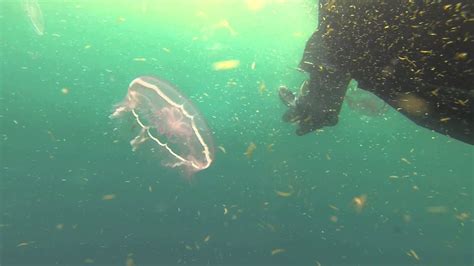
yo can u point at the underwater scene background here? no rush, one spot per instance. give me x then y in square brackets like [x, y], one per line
[373, 190]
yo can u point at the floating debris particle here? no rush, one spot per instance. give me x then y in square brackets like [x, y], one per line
[413, 254]
[270, 147]
[253, 65]
[139, 59]
[463, 216]
[283, 193]
[266, 226]
[405, 160]
[166, 49]
[207, 238]
[262, 87]
[222, 149]
[359, 202]
[277, 251]
[108, 197]
[437, 209]
[24, 244]
[65, 90]
[226, 65]
[87, 46]
[226, 211]
[60, 226]
[250, 150]
[461, 102]
[460, 56]
[445, 119]
[231, 83]
[129, 261]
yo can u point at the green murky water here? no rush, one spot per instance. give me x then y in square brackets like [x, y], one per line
[375, 189]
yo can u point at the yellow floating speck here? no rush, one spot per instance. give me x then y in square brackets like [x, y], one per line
[413, 254]
[129, 261]
[262, 87]
[437, 209]
[283, 193]
[461, 102]
[250, 150]
[460, 56]
[359, 202]
[277, 251]
[108, 197]
[462, 216]
[226, 65]
[253, 65]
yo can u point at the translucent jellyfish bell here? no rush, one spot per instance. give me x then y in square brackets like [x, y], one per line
[170, 121]
[33, 11]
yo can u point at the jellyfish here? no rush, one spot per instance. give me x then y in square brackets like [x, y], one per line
[33, 11]
[170, 121]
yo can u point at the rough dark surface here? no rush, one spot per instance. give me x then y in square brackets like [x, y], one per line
[416, 55]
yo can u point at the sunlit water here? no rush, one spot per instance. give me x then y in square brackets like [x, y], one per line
[378, 191]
